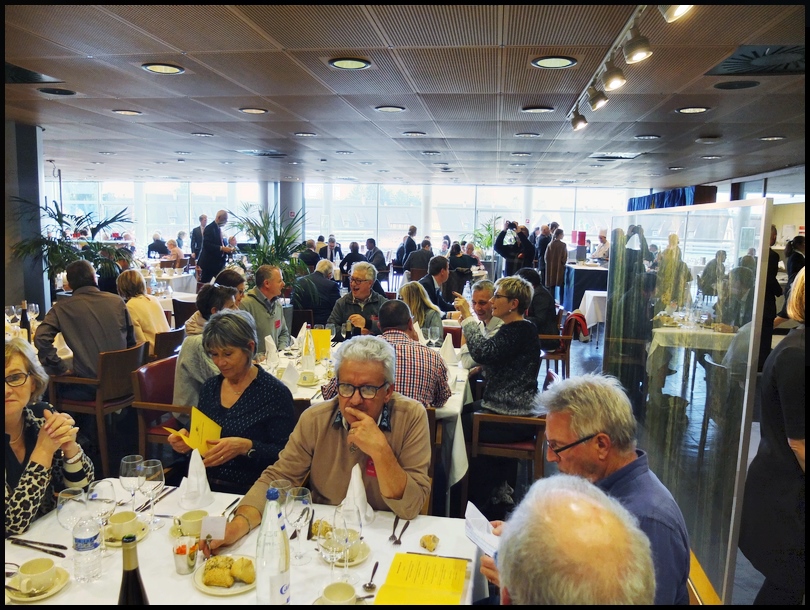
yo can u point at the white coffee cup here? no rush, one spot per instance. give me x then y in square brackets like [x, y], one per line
[159, 272]
[307, 377]
[190, 523]
[339, 594]
[123, 524]
[37, 575]
[170, 272]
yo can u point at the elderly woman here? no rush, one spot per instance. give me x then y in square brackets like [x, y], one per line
[175, 254]
[254, 409]
[511, 361]
[425, 313]
[459, 260]
[148, 317]
[42, 455]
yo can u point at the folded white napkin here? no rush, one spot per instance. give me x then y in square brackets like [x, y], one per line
[418, 330]
[194, 489]
[290, 376]
[302, 337]
[356, 496]
[448, 352]
[270, 351]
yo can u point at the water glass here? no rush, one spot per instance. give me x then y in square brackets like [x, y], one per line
[298, 511]
[70, 507]
[130, 475]
[154, 481]
[101, 504]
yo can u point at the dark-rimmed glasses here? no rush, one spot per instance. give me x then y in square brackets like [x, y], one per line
[15, 380]
[358, 280]
[558, 450]
[500, 296]
[347, 390]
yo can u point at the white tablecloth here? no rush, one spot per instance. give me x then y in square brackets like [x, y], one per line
[594, 306]
[166, 299]
[186, 282]
[164, 586]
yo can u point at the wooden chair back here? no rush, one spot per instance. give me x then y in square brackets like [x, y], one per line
[562, 354]
[417, 274]
[167, 344]
[455, 334]
[435, 428]
[168, 264]
[183, 310]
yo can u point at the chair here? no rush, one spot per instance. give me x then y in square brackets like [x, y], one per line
[168, 316]
[167, 344]
[455, 334]
[551, 377]
[391, 296]
[153, 384]
[200, 285]
[417, 274]
[184, 264]
[455, 283]
[299, 406]
[561, 354]
[183, 310]
[113, 392]
[720, 403]
[435, 428]
[396, 276]
[299, 318]
[168, 264]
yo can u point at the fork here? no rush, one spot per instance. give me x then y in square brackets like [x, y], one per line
[399, 540]
[393, 535]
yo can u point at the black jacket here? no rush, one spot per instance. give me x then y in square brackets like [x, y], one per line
[318, 293]
[324, 253]
[434, 295]
[196, 241]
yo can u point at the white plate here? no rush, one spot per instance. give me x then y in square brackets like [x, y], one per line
[237, 589]
[363, 553]
[62, 578]
[309, 385]
[143, 531]
[362, 602]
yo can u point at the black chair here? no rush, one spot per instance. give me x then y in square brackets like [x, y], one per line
[183, 310]
[299, 318]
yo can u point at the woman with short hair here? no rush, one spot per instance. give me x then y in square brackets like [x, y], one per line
[148, 317]
[175, 254]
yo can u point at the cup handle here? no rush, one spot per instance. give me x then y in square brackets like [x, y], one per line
[25, 586]
[178, 524]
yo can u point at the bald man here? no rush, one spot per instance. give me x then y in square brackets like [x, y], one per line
[214, 252]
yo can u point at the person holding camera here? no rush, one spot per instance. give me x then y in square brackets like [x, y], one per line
[514, 246]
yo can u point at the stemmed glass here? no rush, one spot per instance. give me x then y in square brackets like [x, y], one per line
[298, 510]
[11, 314]
[433, 334]
[154, 481]
[332, 331]
[70, 507]
[33, 311]
[331, 544]
[352, 530]
[131, 475]
[101, 504]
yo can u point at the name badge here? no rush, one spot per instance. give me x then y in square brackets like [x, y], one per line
[370, 470]
[278, 324]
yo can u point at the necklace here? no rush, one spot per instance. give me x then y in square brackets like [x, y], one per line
[232, 388]
[19, 436]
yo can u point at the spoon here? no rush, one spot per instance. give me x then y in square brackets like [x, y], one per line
[393, 535]
[399, 540]
[370, 586]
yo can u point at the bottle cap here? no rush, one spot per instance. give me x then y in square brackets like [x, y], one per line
[272, 493]
[129, 538]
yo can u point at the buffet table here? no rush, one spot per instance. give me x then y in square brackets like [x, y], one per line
[578, 279]
[164, 586]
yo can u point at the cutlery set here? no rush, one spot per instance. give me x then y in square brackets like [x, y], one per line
[163, 494]
[44, 547]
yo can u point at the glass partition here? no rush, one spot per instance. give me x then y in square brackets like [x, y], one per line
[681, 349]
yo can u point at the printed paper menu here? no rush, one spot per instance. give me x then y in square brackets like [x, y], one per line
[422, 579]
[201, 430]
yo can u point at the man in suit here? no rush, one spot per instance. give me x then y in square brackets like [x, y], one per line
[309, 256]
[410, 243]
[375, 256]
[418, 259]
[213, 253]
[331, 251]
[540, 245]
[317, 291]
[438, 272]
[197, 236]
[158, 246]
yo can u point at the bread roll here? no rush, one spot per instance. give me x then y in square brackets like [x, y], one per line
[218, 577]
[429, 542]
[243, 569]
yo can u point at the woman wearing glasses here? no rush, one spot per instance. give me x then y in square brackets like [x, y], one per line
[511, 363]
[42, 455]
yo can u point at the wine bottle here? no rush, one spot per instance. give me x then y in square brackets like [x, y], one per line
[25, 323]
[132, 592]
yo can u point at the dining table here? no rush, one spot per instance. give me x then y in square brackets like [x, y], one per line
[594, 307]
[580, 277]
[165, 586]
[182, 282]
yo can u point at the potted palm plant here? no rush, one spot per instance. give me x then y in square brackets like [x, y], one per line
[484, 236]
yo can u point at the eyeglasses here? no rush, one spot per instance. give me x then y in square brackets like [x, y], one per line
[347, 390]
[500, 296]
[358, 280]
[558, 450]
[17, 379]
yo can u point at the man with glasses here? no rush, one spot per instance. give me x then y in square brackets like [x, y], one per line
[482, 292]
[368, 425]
[264, 304]
[361, 305]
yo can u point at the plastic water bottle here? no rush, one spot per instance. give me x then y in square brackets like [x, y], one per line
[467, 294]
[153, 283]
[87, 547]
[272, 556]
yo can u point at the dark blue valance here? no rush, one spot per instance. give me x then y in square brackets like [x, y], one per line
[666, 199]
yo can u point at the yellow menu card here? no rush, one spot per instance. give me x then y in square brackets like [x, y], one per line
[423, 579]
[201, 430]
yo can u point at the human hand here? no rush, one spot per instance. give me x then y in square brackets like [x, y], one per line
[177, 443]
[364, 432]
[497, 527]
[490, 570]
[59, 430]
[225, 449]
[357, 320]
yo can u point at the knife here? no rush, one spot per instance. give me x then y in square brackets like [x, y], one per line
[163, 494]
[231, 505]
[50, 545]
[37, 548]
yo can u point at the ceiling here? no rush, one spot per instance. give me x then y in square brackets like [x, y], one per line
[462, 72]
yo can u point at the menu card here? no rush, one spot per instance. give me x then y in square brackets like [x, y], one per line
[201, 430]
[422, 580]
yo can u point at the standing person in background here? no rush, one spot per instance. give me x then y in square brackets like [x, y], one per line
[197, 236]
[181, 239]
[213, 254]
[541, 244]
[410, 242]
[556, 257]
[602, 251]
[772, 290]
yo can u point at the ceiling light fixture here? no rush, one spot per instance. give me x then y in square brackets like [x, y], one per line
[527, 134]
[128, 112]
[431, 153]
[708, 140]
[711, 157]
[202, 134]
[181, 152]
[637, 47]
[673, 12]
[249, 110]
[772, 138]
[675, 168]
[578, 121]
[521, 154]
[414, 134]
[108, 153]
[612, 78]
[349, 63]
[647, 136]
[692, 109]
[388, 108]
[554, 62]
[596, 98]
[305, 134]
[537, 109]
[344, 152]
[56, 91]
[169, 69]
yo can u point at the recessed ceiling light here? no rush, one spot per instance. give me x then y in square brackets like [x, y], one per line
[56, 91]
[305, 134]
[537, 109]
[431, 153]
[293, 163]
[414, 134]
[708, 139]
[514, 172]
[102, 152]
[653, 175]
[521, 154]
[675, 168]
[517, 165]
[772, 138]
[382, 171]
[97, 162]
[366, 163]
[711, 157]
[733, 85]
[527, 134]
[596, 165]
[554, 62]
[344, 152]
[647, 136]
[692, 109]
[163, 68]
[389, 108]
[440, 163]
[160, 163]
[202, 134]
[128, 112]
[349, 63]
[249, 110]
[226, 162]
[181, 160]
[181, 152]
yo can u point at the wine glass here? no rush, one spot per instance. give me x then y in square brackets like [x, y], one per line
[332, 331]
[11, 314]
[131, 475]
[348, 515]
[33, 311]
[101, 504]
[331, 545]
[153, 483]
[298, 510]
[70, 507]
[433, 334]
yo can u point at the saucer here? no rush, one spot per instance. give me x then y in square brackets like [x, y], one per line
[62, 578]
[309, 385]
[362, 602]
[143, 531]
[363, 552]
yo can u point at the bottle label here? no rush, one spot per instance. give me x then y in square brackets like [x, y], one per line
[280, 588]
[86, 544]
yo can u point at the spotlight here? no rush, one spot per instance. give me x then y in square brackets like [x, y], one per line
[596, 98]
[613, 78]
[673, 12]
[637, 48]
[578, 121]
